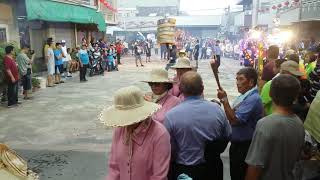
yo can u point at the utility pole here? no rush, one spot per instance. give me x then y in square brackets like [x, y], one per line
[255, 7]
[228, 21]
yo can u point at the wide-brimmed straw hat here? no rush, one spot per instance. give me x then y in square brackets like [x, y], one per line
[158, 75]
[292, 67]
[129, 108]
[13, 162]
[182, 63]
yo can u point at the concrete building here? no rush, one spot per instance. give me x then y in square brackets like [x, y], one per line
[70, 20]
[302, 17]
[9, 30]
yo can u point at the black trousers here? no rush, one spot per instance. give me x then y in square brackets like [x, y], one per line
[212, 169]
[12, 93]
[196, 172]
[203, 53]
[218, 60]
[118, 58]
[238, 152]
[83, 72]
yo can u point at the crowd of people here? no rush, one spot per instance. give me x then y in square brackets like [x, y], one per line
[174, 133]
[61, 62]
[97, 56]
[18, 72]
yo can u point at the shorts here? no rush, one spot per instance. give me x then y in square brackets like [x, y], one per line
[65, 64]
[26, 82]
[58, 69]
[50, 67]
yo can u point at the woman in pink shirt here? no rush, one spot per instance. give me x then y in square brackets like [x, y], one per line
[160, 85]
[140, 147]
[183, 65]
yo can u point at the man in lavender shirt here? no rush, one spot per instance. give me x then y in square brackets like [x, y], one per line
[192, 125]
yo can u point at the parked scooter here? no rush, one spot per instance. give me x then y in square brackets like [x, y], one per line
[96, 67]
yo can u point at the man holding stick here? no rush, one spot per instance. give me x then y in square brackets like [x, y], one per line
[242, 115]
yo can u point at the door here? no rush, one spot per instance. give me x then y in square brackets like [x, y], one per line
[3, 33]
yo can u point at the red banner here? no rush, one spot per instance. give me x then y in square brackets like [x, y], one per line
[108, 5]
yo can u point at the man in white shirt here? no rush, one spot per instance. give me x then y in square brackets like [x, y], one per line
[65, 60]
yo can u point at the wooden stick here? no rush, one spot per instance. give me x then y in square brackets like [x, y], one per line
[214, 68]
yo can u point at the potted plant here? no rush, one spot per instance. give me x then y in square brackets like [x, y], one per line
[35, 84]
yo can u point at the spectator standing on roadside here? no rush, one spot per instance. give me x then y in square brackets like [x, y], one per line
[75, 65]
[84, 63]
[140, 147]
[193, 125]
[287, 67]
[65, 60]
[50, 61]
[209, 53]
[148, 50]
[119, 51]
[137, 54]
[204, 51]
[58, 55]
[217, 53]
[182, 66]
[314, 78]
[160, 84]
[12, 76]
[268, 70]
[243, 115]
[156, 48]
[25, 66]
[70, 63]
[45, 49]
[278, 138]
[196, 53]
[163, 51]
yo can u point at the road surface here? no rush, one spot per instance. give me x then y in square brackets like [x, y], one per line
[59, 133]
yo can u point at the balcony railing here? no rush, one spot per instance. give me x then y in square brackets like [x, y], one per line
[88, 3]
[310, 10]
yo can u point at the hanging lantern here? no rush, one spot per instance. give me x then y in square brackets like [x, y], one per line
[274, 7]
[286, 3]
[279, 5]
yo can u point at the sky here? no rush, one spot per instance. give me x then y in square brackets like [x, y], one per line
[206, 6]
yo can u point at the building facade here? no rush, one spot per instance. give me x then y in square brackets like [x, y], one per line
[301, 16]
[9, 30]
[70, 20]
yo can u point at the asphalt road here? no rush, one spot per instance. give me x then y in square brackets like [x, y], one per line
[58, 132]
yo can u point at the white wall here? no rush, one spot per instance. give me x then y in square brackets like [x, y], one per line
[239, 19]
[285, 18]
[289, 17]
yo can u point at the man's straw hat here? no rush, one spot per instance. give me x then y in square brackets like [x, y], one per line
[13, 162]
[292, 67]
[158, 75]
[182, 63]
[129, 107]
